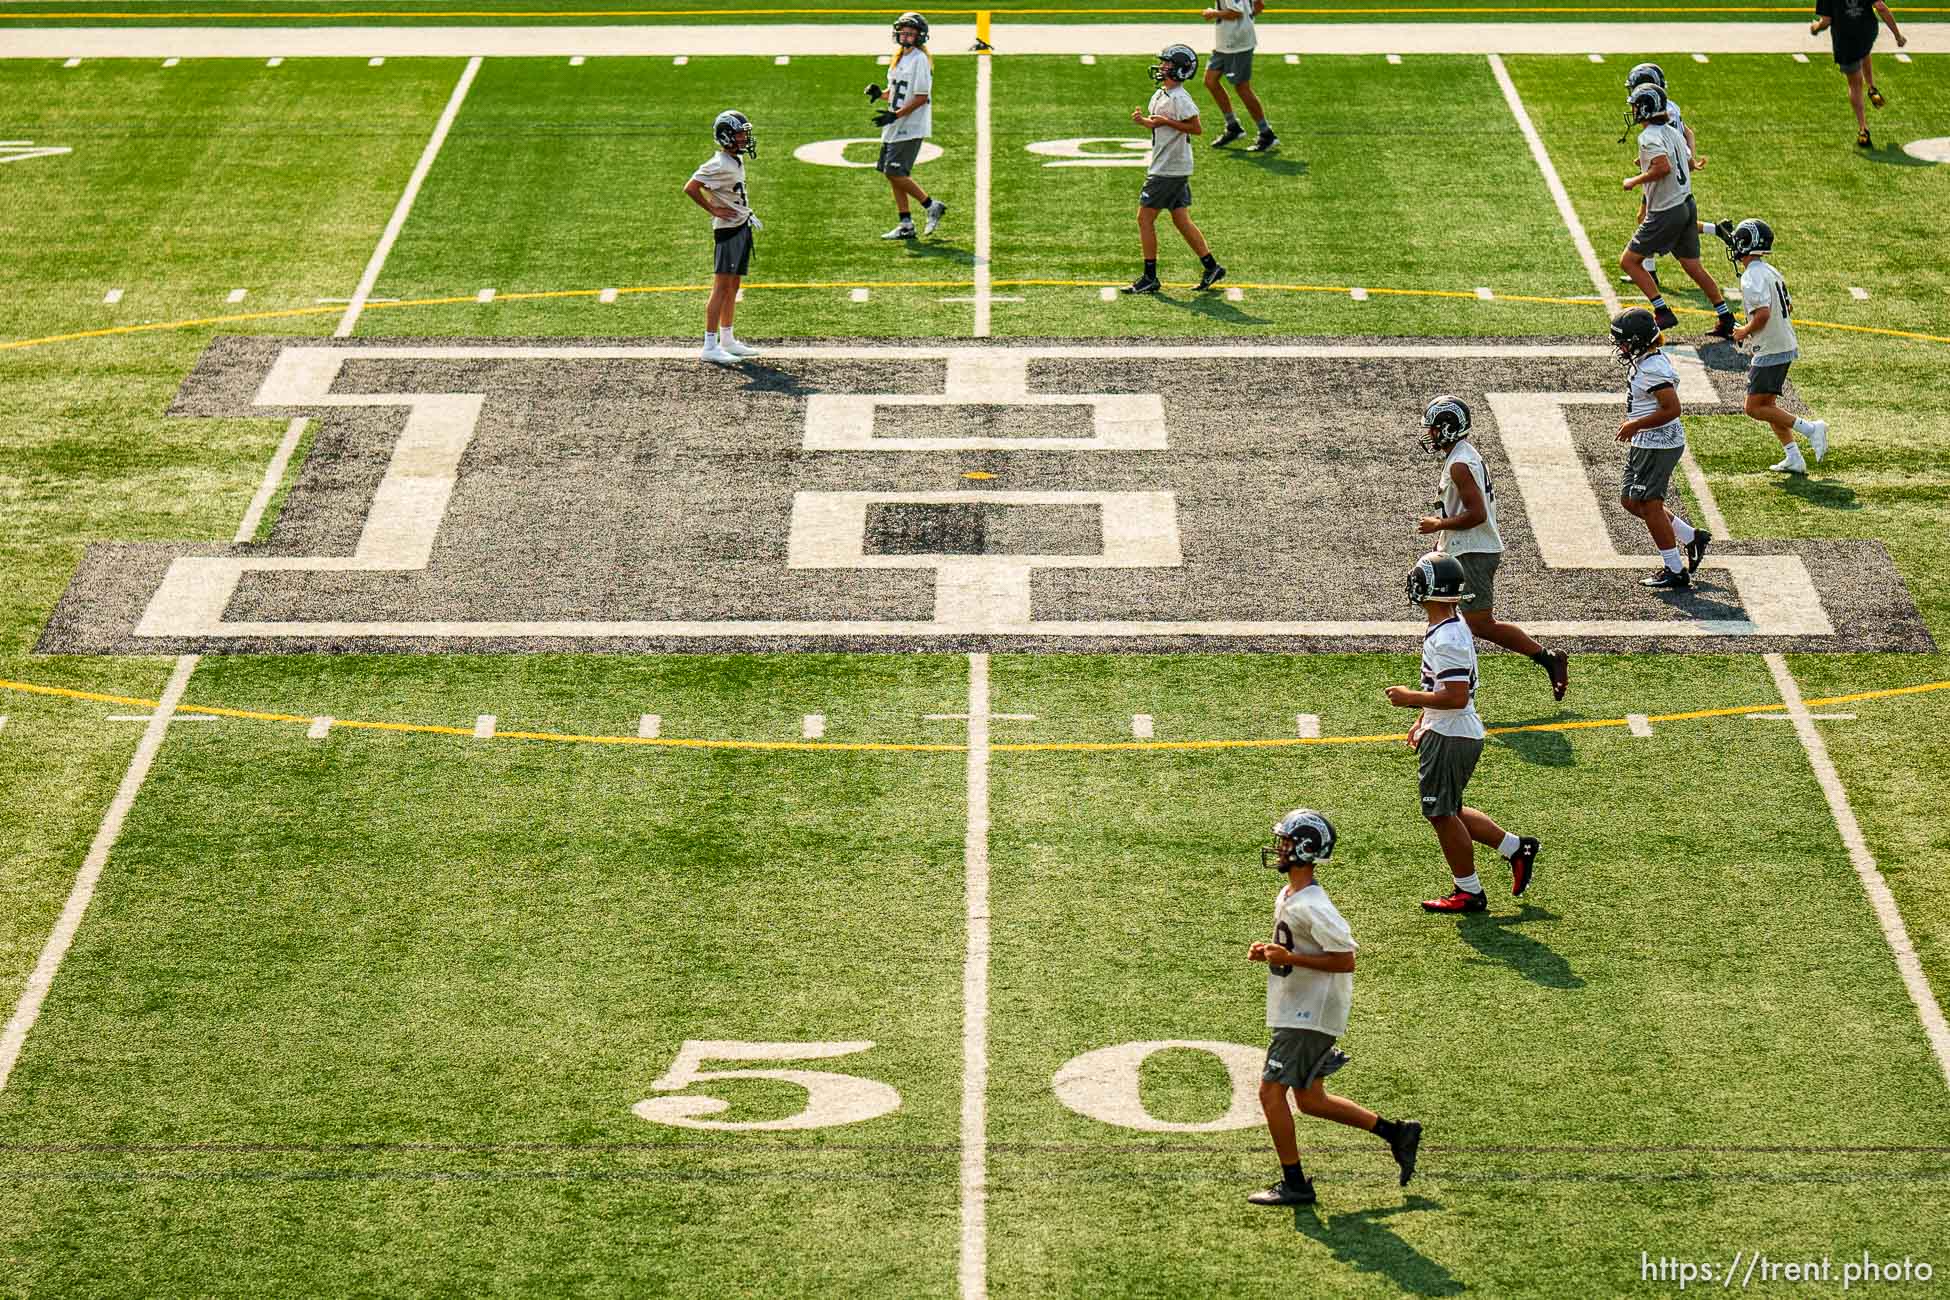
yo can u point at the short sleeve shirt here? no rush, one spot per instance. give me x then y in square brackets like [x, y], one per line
[1653, 372]
[912, 75]
[1298, 997]
[723, 178]
[1171, 149]
[1852, 29]
[1484, 536]
[1449, 654]
[1762, 286]
[1676, 186]
[1235, 35]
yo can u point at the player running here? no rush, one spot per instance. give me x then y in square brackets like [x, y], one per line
[1232, 60]
[1671, 221]
[1765, 296]
[906, 122]
[1658, 441]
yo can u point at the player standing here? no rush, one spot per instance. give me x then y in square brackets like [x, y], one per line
[1309, 991]
[1232, 60]
[1658, 440]
[1764, 294]
[719, 188]
[1448, 740]
[1173, 119]
[1467, 533]
[906, 122]
[1671, 222]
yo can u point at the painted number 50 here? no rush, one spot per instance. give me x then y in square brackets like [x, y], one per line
[830, 1098]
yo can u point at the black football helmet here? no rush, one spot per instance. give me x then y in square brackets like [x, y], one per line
[1645, 102]
[1444, 424]
[1634, 333]
[918, 24]
[730, 125]
[1301, 838]
[1437, 577]
[1642, 73]
[1179, 62]
[1750, 237]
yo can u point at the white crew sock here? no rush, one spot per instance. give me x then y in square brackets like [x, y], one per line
[1684, 531]
[1469, 884]
[1803, 427]
[724, 336]
[710, 338]
[1673, 562]
[1509, 845]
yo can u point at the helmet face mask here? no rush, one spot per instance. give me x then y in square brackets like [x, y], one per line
[733, 131]
[1300, 839]
[1750, 238]
[910, 31]
[1445, 423]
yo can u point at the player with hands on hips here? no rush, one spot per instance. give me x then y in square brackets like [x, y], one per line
[719, 188]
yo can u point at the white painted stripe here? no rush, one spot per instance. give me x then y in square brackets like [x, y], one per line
[272, 63]
[994, 297]
[974, 1270]
[150, 717]
[812, 726]
[1306, 726]
[1901, 57]
[1638, 724]
[1800, 57]
[1394, 58]
[170, 63]
[649, 726]
[680, 60]
[885, 60]
[1293, 58]
[112, 297]
[739, 296]
[984, 162]
[321, 727]
[485, 295]
[1699, 58]
[1596, 58]
[1881, 901]
[858, 295]
[1555, 185]
[1816, 717]
[1860, 295]
[607, 295]
[484, 726]
[1141, 726]
[3, 722]
[1235, 294]
[1358, 294]
[576, 62]
[28, 1009]
[273, 475]
[376, 61]
[72, 63]
[782, 60]
[405, 204]
[1107, 293]
[1484, 293]
[236, 295]
[1088, 59]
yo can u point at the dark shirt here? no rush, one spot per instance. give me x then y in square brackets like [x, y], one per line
[1854, 27]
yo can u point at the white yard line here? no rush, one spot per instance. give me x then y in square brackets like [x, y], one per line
[974, 1273]
[984, 151]
[28, 1009]
[1894, 932]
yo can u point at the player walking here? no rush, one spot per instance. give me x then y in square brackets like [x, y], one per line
[719, 188]
[906, 122]
[1173, 119]
[1466, 532]
[1658, 441]
[1232, 60]
[1765, 296]
[1309, 991]
[1671, 221]
[1448, 739]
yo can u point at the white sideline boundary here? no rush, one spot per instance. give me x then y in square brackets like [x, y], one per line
[28, 1009]
[973, 1268]
[984, 155]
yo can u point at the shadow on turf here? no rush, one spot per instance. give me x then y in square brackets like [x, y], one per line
[1825, 492]
[1498, 939]
[1212, 305]
[940, 252]
[1360, 1240]
[761, 378]
[1539, 748]
[1893, 156]
[1271, 164]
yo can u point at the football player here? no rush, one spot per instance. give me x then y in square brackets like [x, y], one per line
[1448, 740]
[1851, 25]
[1765, 296]
[1466, 532]
[906, 121]
[1653, 73]
[1309, 990]
[1173, 119]
[1232, 60]
[1658, 441]
[1671, 222]
[719, 188]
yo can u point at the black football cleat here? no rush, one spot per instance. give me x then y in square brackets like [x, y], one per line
[1267, 141]
[1696, 549]
[1212, 277]
[1667, 580]
[1408, 1141]
[1143, 284]
[1232, 132]
[1722, 328]
[1285, 1193]
[1458, 901]
[1724, 229]
[1665, 319]
[1523, 863]
[1558, 664]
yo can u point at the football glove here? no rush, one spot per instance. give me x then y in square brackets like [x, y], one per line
[885, 116]
[874, 92]
[756, 223]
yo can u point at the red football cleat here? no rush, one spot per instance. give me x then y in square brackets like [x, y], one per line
[1459, 901]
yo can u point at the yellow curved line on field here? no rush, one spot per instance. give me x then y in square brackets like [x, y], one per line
[534, 295]
[1038, 747]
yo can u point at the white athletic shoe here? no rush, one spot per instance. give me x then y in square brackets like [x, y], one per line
[935, 211]
[740, 348]
[1790, 463]
[719, 355]
[1818, 437]
[905, 230]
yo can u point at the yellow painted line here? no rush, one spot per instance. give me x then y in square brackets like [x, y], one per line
[1041, 747]
[1640, 11]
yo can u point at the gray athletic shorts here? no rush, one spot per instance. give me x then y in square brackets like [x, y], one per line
[1447, 763]
[1236, 67]
[1768, 379]
[1648, 471]
[1297, 1057]
[897, 157]
[1675, 231]
[1166, 193]
[734, 250]
[1479, 570]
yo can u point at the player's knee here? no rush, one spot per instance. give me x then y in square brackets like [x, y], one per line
[1757, 404]
[1272, 1095]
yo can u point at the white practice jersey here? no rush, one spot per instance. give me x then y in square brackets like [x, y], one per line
[1171, 149]
[1298, 997]
[1676, 186]
[1484, 536]
[1762, 286]
[1653, 372]
[1235, 35]
[723, 179]
[1449, 654]
[911, 75]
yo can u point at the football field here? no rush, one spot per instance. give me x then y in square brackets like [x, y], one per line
[498, 806]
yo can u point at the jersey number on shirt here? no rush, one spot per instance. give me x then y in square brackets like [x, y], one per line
[1283, 936]
[1679, 168]
[896, 92]
[1787, 303]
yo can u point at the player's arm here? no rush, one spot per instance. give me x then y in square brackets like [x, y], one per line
[1756, 322]
[1219, 15]
[1666, 412]
[1450, 693]
[701, 197]
[1334, 963]
[1189, 125]
[1889, 19]
[1474, 510]
[1659, 166]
